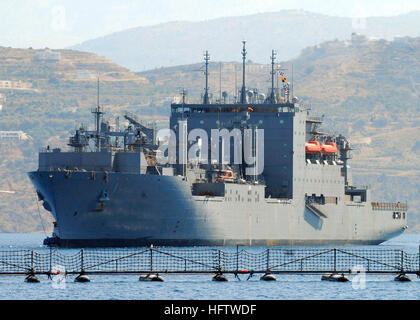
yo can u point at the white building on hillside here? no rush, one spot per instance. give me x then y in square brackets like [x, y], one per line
[48, 55]
[14, 136]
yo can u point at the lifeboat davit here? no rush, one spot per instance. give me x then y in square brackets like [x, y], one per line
[329, 147]
[313, 147]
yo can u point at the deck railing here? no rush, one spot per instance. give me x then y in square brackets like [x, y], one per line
[389, 206]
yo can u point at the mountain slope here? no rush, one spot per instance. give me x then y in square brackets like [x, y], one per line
[288, 31]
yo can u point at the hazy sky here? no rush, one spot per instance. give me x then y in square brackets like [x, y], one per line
[61, 23]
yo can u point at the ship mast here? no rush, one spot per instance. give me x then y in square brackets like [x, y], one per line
[243, 90]
[206, 90]
[98, 113]
[272, 95]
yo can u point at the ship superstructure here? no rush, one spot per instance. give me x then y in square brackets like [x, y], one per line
[276, 179]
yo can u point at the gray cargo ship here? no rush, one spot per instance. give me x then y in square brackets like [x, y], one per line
[126, 188]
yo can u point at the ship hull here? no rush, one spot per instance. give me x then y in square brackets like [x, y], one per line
[106, 243]
[120, 210]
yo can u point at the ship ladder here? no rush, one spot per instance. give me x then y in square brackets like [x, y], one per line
[315, 210]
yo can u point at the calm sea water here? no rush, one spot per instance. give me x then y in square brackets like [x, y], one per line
[201, 287]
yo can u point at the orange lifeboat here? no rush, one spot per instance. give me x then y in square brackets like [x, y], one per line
[226, 176]
[313, 147]
[329, 147]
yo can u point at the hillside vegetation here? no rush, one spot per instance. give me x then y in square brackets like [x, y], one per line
[368, 90]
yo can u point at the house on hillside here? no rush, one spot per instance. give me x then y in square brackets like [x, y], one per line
[48, 55]
[14, 84]
[357, 38]
[14, 136]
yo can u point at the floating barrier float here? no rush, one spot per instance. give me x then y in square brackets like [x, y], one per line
[219, 277]
[268, 277]
[334, 277]
[151, 277]
[402, 277]
[82, 278]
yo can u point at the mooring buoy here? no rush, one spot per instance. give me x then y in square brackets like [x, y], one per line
[151, 277]
[268, 277]
[335, 277]
[32, 278]
[219, 277]
[82, 278]
[402, 277]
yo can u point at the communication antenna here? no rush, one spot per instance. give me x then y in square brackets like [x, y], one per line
[220, 82]
[236, 84]
[292, 83]
[97, 102]
[206, 90]
[243, 90]
[272, 95]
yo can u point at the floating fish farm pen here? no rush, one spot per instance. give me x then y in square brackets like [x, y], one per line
[154, 262]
